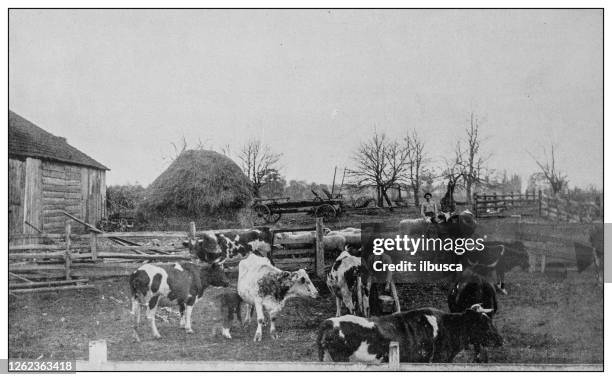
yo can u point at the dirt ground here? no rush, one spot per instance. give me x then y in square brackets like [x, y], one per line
[541, 321]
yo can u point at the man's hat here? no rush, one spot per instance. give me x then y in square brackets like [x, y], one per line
[426, 194]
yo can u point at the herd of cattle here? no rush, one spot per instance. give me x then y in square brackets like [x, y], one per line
[424, 335]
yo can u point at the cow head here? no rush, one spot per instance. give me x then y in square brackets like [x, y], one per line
[260, 246]
[214, 275]
[205, 247]
[302, 286]
[480, 327]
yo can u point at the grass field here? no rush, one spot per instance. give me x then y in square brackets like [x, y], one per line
[541, 321]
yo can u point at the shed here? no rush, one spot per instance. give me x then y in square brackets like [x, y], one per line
[48, 176]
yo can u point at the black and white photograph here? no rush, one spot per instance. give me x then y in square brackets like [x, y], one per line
[278, 189]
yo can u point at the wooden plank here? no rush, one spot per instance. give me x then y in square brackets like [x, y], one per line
[299, 260]
[52, 289]
[320, 249]
[32, 198]
[32, 284]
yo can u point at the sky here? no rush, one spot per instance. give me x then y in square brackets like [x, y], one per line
[123, 85]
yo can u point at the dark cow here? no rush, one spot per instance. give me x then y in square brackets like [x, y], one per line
[181, 284]
[454, 226]
[424, 335]
[210, 247]
[496, 260]
[228, 305]
[473, 289]
[593, 253]
[345, 282]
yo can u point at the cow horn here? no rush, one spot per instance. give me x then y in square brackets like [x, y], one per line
[493, 264]
[478, 307]
[471, 262]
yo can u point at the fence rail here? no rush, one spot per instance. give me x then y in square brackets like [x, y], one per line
[535, 204]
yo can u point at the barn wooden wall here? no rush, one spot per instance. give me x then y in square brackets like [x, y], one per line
[40, 190]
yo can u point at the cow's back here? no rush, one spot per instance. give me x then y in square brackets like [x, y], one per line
[250, 270]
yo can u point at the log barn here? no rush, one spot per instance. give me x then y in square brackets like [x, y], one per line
[47, 176]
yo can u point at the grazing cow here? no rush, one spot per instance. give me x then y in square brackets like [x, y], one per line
[496, 260]
[182, 284]
[424, 335]
[228, 304]
[472, 289]
[345, 282]
[267, 288]
[230, 245]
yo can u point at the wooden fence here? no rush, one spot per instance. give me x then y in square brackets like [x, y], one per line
[67, 261]
[98, 361]
[535, 204]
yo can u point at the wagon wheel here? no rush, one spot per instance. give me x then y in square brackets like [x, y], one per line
[263, 212]
[325, 211]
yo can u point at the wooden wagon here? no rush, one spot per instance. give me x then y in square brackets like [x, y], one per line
[270, 210]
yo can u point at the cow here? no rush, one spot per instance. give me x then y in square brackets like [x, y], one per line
[424, 335]
[267, 288]
[211, 247]
[496, 260]
[368, 277]
[344, 280]
[446, 225]
[228, 305]
[472, 288]
[182, 284]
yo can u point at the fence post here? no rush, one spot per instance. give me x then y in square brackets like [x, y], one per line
[97, 352]
[192, 231]
[394, 357]
[476, 205]
[320, 250]
[543, 268]
[93, 243]
[540, 203]
[67, 253]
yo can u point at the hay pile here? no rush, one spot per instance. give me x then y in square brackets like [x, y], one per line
[198, 183]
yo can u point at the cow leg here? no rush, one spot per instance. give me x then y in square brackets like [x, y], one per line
[182, 311]
[395, 297]
[366, 298]
[151, 310]
[480, 354]
[247, 316]
[338, 306]
[136, 310]
[260, 321]
[191, 301]
[228, 316]
[347, 297]
[273, 332]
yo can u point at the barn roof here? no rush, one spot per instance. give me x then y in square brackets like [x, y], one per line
[28, 140]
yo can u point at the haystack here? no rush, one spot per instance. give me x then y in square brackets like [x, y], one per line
[198, 183]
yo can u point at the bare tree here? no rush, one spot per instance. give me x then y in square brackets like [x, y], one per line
[416, 158]
[381, 163]
[259, 163]
[470, 161]
[555, 178]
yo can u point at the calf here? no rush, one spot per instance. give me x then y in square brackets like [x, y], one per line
[228, 306]
[424, 335]
[472, 288]
[182, 284]
[210, 247]
[344, 281]
[268, 288]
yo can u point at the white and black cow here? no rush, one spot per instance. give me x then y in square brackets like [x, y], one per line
[344, 280]
[267, 288]
[210, 247]
[181, 284]
[424, 335]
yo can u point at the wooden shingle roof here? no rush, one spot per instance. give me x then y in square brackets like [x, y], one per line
[28, 140]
